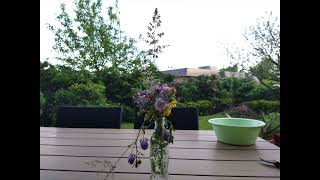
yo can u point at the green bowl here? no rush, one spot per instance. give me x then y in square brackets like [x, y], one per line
[236, 131]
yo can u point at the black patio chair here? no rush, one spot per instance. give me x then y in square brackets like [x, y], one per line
[89, 117]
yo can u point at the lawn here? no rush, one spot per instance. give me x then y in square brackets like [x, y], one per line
[126, 125]
[203, 122]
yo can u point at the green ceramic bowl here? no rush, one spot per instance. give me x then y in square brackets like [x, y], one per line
[236, 131]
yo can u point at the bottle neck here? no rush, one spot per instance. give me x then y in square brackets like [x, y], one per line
[159, 124]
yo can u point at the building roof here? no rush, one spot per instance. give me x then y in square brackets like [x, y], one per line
[183, 72]
[227, 74]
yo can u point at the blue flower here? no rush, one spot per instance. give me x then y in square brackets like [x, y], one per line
[165, 135]
[144, 143]
[131, 158]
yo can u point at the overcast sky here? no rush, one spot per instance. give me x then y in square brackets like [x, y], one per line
[194, 29]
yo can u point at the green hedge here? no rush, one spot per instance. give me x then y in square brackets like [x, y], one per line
[222, 104]
[205, 107]
[265, 106]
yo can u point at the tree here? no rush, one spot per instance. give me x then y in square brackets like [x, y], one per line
[197, 88]
[93, 42]
[54, 78]
[87, 94]
[42, 102]
[262, 57]
[232, 68]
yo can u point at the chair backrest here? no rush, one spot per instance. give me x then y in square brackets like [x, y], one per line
[89, 117]
[185, 118]
[182, 118]
[139, 119]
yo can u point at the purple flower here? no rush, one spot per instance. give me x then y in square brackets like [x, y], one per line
[165, 89]
[144, 143]
[157, 88]
[131, 158]
[161, 104]
[165, 135]
[141, 98]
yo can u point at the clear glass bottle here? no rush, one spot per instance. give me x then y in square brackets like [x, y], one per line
[159, 153]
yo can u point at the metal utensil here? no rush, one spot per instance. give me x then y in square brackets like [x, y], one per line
[275, 163]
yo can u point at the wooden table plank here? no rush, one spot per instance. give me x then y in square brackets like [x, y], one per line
[176, 167]
[177, 137]
[177, 144]
[204, 154]
[115, 131]
[74, 175]
[194, 155]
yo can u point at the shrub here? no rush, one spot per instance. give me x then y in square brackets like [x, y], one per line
[205, 107]
[265, 106]
[42, 102]
[272, 126]
[238, 89]
[82, 95]
[242, 111]
[128, 114]
[186, 92]
[222, 104]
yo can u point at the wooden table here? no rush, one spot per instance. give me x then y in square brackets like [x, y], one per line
[194, 155]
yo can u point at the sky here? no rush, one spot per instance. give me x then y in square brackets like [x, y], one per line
[196, 30]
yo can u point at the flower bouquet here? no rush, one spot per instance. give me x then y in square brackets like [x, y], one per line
[156, 104]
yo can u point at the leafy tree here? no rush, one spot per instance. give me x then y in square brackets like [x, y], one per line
[206, 87]
[54, 78]
[88, 94]
[93, 42]
[232, 68]
[121, 87]
[262, 58]
[266, 72]
[42, 102]
[186, 92]
[197, 88]
[236, 88]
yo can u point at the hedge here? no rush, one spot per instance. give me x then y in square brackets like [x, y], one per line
[265, 106]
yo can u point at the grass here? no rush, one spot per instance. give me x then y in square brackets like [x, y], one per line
[203, 122]
[126, 125]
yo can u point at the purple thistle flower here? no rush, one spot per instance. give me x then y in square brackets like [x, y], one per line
[144, 143]
[131, 158]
